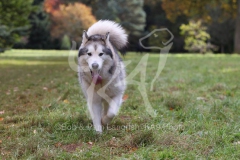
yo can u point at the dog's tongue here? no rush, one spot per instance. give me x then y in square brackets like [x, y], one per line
[97, 79]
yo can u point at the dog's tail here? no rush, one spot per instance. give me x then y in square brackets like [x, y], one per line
[117, 35]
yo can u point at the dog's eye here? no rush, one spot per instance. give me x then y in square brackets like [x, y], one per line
[100, 54]
[89, 54]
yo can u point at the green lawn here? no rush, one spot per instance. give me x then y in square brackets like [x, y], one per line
[196, 98]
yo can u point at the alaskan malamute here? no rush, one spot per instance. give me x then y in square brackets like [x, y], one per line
[101, 71]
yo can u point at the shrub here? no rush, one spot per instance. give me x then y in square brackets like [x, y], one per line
[196, 37]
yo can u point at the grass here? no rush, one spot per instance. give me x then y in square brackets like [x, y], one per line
[196, 98]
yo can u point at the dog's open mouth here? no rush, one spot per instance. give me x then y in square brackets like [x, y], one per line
[96, 78]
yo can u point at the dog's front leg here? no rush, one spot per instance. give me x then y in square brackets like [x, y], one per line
[114, 106]
[95, 109]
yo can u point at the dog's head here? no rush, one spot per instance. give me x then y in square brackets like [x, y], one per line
[95, 52]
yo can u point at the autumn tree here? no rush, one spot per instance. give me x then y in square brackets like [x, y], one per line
[69, 19]
[199, 8]
[129, 14]
[202, 9]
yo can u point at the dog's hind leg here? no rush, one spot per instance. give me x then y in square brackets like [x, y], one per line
[113, 108]
[105, 108]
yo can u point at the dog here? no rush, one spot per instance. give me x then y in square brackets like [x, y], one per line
[101, 72]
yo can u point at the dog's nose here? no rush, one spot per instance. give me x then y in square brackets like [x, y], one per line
[95, 66]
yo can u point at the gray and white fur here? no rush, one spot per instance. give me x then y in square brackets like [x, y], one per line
[101, 71]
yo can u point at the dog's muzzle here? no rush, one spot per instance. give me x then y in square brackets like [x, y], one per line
[96, 78]
[95, 66]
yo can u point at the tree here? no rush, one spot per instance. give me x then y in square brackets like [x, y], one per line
[222, 34]
[13, 21]
[156, 18]
[129, 14]
[65, 42]
[39, 37]
[237, 30]
[201, 9]
[196, 37]
[69, 20]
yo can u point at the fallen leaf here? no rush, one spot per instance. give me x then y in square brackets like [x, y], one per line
[170, 108]
[133, 149]
[63, 97]
[1, 119]
[65, 101]
[2, 112]
[90, 143]
[125, 97]
[58, 144]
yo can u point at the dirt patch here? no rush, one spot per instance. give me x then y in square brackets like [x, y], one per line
[173, 89]
[168, 140]
[125, 117]
[71, 147]
[218, 87]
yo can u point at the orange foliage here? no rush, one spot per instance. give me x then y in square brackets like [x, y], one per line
[199, 8]
[70, 20]
[174, 8]
[51, 5]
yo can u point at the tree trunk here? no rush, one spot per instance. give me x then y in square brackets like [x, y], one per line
[237, 30]
[222, 48]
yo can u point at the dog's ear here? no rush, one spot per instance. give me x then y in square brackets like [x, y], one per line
[107, 38]
[109, 51]
[84, 37]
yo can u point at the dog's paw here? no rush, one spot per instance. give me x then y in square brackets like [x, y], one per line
[99, 133]
[105, 120]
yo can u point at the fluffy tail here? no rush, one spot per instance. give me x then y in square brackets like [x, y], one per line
[117, 35]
